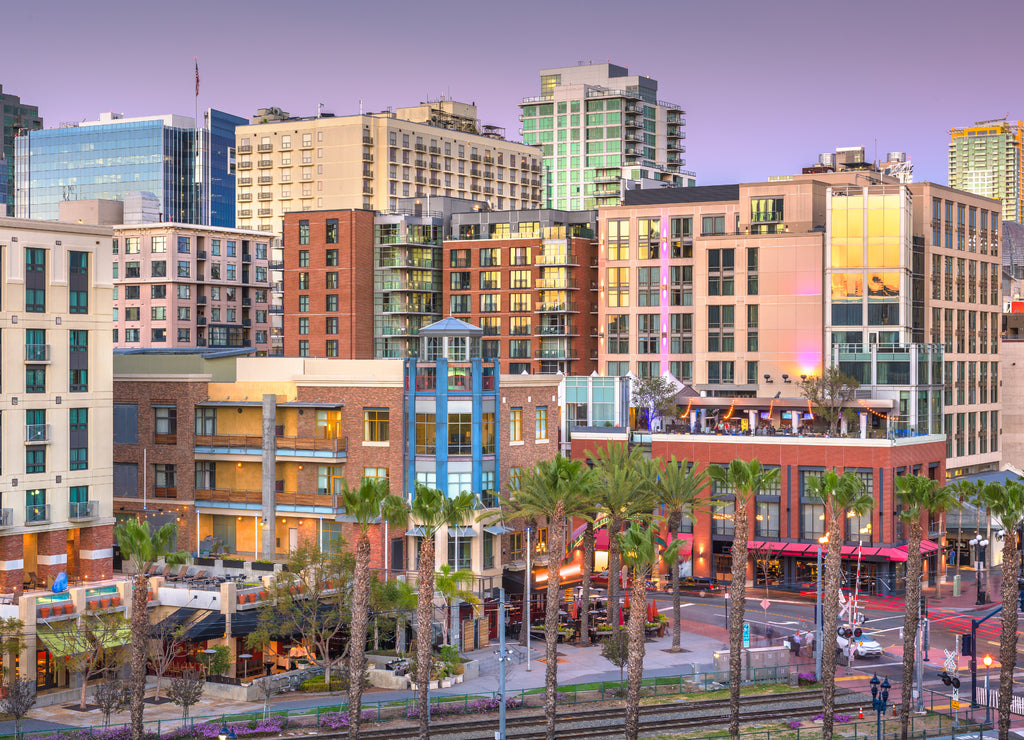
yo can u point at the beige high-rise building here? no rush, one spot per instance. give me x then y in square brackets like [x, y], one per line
[369, 161]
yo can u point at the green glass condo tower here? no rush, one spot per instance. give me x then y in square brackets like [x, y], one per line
[603, 131]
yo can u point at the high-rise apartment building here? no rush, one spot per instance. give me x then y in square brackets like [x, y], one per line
[14, 116]
[190, 171]
[56, 403]
[601, 131]
[742, 290]
[371, 161]
[179, 286]
[986, 159]
[529, 280]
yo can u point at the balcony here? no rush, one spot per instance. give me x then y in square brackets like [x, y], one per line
[561, 330]
[165, 492]
[200, 321]
[368, 157]
[244, 181]
[567, 259]
[265, 212]
[83, 509]
[421, 147]
[265, 179]
[37, 433]
[226, 497]
[201, 300]
[435, 150]
[245, 213]
[245, 149]
[558, 307]
[201, 254]
[286, 446]
[246, 259]
[246, 302]
[245, 197]
[474, 157]
[368, 140]
[266, 195]
[244, 165]
[37, 513]
[37, 353]
[201, 342]
[265, 148]
[553, 353]
[559, 283]
[265, 163]
[6, 517]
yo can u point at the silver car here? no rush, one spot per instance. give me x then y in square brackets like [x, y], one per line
[865, 646]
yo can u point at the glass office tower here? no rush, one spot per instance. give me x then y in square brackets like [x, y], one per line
[190, 172]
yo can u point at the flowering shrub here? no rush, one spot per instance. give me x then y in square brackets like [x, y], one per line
[808, 677]
[338, 720]
[270, 725]
[840, 718]
[106, 733]
[477, 706]
[795, 724]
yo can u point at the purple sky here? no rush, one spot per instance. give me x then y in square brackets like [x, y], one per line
[766, 85]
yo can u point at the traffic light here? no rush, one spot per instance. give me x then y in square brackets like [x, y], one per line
[967, 644]
[857, 632]
[947, 680]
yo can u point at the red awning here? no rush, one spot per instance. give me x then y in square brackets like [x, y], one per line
[601, 539]
[804, 548]
[899, 554]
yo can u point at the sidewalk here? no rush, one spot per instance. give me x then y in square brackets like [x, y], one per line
[575, 665]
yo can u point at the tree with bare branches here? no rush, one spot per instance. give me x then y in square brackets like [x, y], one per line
[829, 394]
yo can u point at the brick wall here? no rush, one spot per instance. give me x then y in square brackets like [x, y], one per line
[11, 553]
[96, 541]
[355, 283]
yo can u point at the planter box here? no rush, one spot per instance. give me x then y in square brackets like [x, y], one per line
[233, 564]
[446, 683]
[205, 561]
[269, 567]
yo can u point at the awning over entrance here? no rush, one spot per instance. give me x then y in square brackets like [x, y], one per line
[897, 554]
[66, 644]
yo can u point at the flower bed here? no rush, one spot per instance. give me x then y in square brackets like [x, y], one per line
[338, 720]
[477, 706]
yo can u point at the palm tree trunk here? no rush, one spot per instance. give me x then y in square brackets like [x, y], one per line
[1010, 591]
[424, 632]
[737, 603]
[635, 661]
[674, 521]
[910, 622]
[357, 642]
[140, 639]
[556, 548]
[614, 566]
[588, 572]
[830, 622]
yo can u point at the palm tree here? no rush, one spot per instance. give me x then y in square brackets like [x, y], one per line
[368, 504]
[624, 493]
[142, 548]
[842, 496]
[587, 575]
[432, 510]
[451, 585]
[679, 486]
[1007, 504]
[640, 555]
[918, 497]
[744, 479]
[556, 489]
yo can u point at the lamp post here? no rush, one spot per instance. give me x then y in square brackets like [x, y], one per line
[879, 702]
[979, 543]
[822, 541]
[988, 704]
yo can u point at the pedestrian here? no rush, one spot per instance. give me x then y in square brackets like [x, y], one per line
[796, 644]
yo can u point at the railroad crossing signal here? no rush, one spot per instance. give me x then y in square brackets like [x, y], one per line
[952, 662]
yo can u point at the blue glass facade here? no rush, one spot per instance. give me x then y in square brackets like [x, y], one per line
[110, 160]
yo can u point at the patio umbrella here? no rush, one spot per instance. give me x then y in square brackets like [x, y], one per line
[652, 611]
[627, 599]
[621, 622]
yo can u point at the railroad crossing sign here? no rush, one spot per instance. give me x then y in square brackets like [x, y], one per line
[952, 662]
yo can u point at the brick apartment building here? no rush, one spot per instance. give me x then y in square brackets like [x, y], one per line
[784, 524]
[328, 284]
[529, 279]
[196, 455]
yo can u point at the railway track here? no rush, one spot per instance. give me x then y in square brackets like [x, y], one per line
[604, 722]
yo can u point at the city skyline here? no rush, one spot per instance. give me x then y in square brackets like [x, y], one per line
[747, 90]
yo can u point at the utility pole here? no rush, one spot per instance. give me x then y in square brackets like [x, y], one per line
[502, 660]
[918, 662]
[527, 606]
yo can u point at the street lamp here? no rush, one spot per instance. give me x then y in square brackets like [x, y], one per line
[979, 555]
[879, 703]
[988, 705]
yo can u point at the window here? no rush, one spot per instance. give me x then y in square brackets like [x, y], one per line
[131, 245]
[304, 326]
[35, 378]
[649, 286]
[331, 282]
[721, 327]
[491, 325]
[519, 279]
[303, 348]
[36, 508]
[331, 303]
[79, 381]
[489, 303]
[519, 349]
[488, 433]
[331, 235]
[460, 434]
[618, 334]
[78, 420]
[304, 234]
[165, 424]
[165, 481]
[812, 520]
[648, 234]
[515, 425]
[648, 333]
[541, 428]
[767, 519]
[459, 258]
[331, 325]
[184, 269]
[712, 225]
[721, 372]
[459, 303]
[426, 434]
[184, 245]
[376, 425]
[490, 257]
[519, 303]
[618, 287]
[303, 304]
[752, 260]
[35, 459]
[618, 240]
[490, 280]
[721, 272]
[78, 458]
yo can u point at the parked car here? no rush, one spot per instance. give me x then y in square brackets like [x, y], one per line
[865, 646]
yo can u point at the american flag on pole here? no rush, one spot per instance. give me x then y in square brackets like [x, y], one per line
[197, 76]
